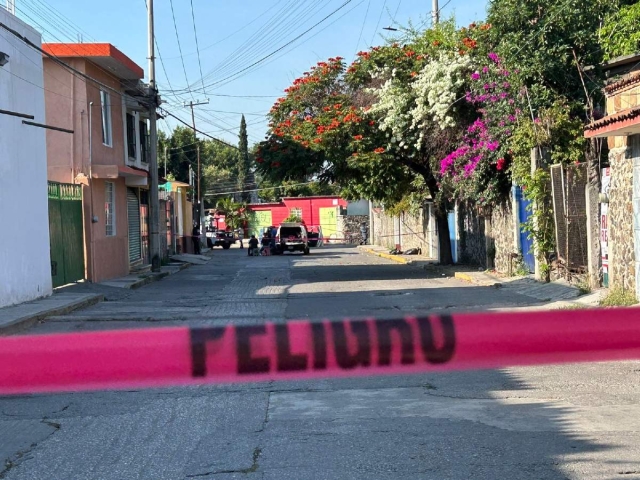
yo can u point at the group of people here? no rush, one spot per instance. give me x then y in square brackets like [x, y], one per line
[267, 243]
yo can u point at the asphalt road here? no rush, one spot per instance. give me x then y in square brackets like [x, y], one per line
[573, 421]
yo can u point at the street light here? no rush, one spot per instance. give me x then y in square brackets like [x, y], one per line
[391, 29]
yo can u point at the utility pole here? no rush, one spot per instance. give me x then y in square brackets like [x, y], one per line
[435, 12]
[193, 121]
[165, 161]
[154, 203]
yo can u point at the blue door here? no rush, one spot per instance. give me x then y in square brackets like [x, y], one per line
[451, 217]
[525, 242]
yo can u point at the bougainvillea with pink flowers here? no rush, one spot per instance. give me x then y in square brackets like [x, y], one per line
[479, 167]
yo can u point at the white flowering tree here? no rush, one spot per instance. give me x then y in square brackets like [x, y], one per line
[381, 126]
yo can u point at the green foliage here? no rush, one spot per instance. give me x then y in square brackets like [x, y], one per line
[559, 136]
[620, 34]
[244, 161]
[537, 38]
[584, 287]
[219, 163]
[274, 191]
[293, 219]
[521, 269]
[619, 297]
[236, 214]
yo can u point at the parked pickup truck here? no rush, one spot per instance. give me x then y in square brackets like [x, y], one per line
[220, 238]
[292, 237]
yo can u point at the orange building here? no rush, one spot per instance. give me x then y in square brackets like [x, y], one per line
[102, 102]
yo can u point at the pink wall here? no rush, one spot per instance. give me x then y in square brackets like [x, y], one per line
[310, 208]
[110, 254]
[67, 100]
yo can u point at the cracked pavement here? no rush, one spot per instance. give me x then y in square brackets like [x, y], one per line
[571, 421]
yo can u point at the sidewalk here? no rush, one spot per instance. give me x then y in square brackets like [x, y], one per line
[73, 297]
[558, 294]
[419, 261]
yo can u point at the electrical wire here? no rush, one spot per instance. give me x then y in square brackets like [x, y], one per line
[260, 189]
[375, 31]
[175, 26]
[195, 34]
[257, 62]
[364, 22]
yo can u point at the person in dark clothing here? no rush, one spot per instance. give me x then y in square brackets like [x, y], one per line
[195, 237]
[253, 246]
[266, 244]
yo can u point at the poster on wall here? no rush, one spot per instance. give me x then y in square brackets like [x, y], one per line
[604, 226]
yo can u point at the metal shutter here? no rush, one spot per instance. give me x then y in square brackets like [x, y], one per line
[133, 214]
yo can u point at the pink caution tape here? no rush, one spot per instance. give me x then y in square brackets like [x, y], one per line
[304, 350]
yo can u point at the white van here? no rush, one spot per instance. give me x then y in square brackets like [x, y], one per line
[292, 237]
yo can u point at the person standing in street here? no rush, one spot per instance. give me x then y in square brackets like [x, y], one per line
[363, 233]
[241, 236]
[195, 237]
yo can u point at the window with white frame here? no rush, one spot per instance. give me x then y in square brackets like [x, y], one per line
[105, 108]
[296, 212]
[110, 208]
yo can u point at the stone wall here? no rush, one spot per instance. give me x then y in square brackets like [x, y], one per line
[621, 254]
[351, 224]
[472, 245]
[501, 236]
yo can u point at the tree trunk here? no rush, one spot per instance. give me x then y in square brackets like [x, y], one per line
[444, 242]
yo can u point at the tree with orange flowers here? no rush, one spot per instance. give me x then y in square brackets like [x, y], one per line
[380, 126]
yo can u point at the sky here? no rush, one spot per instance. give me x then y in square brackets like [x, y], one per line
[231, 37]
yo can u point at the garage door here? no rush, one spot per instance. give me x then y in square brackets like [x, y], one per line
[133, 216]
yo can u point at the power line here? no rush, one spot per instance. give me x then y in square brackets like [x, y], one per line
[378, 23]
[364, 22]
[260, 189]
[195, 34]
[257, 62]
[166, 112]
[175, 26]
[261, 15]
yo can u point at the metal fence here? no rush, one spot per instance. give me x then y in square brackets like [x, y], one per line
[570, 215]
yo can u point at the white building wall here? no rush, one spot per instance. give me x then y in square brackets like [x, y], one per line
[25, 265]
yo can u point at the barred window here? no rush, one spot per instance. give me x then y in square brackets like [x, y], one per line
[110, 209]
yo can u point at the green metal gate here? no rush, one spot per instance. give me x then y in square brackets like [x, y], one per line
[65, 233]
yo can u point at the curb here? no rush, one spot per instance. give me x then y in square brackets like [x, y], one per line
[388, 256]
[27, 321]
[147, 280]
[465, 277]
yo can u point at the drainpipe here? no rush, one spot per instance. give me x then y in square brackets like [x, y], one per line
[94, 219]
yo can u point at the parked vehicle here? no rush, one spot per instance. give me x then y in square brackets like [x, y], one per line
[292, 237]
[220, 238]
[315, 238]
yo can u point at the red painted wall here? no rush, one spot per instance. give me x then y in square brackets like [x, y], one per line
[310, 208]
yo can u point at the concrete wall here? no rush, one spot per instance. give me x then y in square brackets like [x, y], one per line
[621, 252]
[25, 264]
[413, 230]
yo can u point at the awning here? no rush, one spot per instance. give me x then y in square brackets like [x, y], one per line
[621, 124]
[133, 176]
